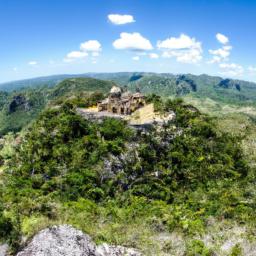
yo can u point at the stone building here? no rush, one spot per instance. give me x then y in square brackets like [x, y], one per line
[122, 103]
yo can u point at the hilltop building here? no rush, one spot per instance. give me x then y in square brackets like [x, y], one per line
[122, 103]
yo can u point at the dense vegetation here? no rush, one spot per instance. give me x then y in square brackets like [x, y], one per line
[40, 92]
[122, 185]
[19, 108]
[166, 84]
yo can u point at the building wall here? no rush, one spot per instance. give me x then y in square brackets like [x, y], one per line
[115, 105]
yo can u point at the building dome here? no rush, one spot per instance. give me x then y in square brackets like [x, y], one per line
[115, 92]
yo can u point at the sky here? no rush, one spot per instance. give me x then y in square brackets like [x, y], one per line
[46, 37]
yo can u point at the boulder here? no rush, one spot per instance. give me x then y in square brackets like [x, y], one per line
[64, 240]
[3, 249]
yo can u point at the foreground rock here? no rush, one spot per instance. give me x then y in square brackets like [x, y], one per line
[110, 250]
[65, 240]
[3, 249]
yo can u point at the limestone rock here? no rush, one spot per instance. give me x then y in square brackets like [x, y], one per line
[108, 250]
[64, 240]
[61, 240]
[3, 249]
[17, 102]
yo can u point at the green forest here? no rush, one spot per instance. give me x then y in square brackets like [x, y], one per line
[191, 177]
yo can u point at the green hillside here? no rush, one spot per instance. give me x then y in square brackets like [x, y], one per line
[124, 186]
[78, 85]
[165, 84]
[76, 90]
[19, 108]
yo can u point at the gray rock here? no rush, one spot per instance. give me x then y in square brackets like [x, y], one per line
[3, 249]
[64, 240]
[61, 240]
[109, 250]
[19, 101]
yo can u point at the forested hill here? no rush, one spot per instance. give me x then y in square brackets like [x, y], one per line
[19, 108]
[165, 84]
[24, 100]
[124, 186]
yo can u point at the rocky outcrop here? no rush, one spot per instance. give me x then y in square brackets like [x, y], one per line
[229, 84]
[109, 250]
[19, 101]
[93, 115]
[3, 249]
[64, 240]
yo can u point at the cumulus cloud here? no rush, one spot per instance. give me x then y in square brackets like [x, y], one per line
[132, 41]
[252, 69]
[136, 58]
[119, 19]
[32, 63]
[222, 38]
[184, 48]
[220, 54]
[231, 69]
[77, 55]
[91, 46]
[223, 53]
[74, 55]
[153, 56]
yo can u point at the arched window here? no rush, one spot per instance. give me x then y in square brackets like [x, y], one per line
[114, 110]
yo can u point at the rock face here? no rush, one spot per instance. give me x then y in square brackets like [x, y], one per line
[60, 240]
[229, 84]
[19, 101]
[65, 240]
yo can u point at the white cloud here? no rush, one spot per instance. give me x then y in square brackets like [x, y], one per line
[132, 41]
[91, 46]
[153, 56]
[32, 63]
[75, 55]
[119, 19]
[223, 53]
[95, 54]
[252, 69]
[231, 69]
[136, 58]
[220, 54]
[15, 69]
[222, 38]
[184, 48]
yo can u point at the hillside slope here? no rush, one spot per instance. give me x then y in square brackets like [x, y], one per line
[198, 88]
[19, 108]
[166, 191]
[165, 84]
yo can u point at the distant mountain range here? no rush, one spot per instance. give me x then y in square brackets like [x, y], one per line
[22, 101]
[228, 90]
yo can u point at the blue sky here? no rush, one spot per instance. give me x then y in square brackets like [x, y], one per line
[45, 37]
